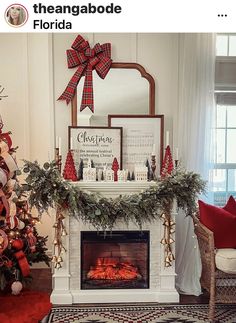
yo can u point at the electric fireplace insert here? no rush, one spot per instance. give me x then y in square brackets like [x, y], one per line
[115, 260]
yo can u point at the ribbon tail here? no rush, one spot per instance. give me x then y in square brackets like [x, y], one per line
[23, 263]
[87, 97]
[69, 92]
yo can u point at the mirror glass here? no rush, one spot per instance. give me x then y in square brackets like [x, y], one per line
[123, 91]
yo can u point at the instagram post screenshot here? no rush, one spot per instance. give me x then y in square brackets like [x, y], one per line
[117, 161]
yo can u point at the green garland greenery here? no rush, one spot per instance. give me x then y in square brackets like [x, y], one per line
[48, 189]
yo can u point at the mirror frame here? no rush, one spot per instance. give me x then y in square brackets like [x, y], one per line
[141, 69]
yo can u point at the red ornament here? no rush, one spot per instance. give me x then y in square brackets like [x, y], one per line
[115, 168]
[17, 244]
[8, 264]
[69, 171]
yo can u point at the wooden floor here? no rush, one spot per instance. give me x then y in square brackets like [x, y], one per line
[42, 281]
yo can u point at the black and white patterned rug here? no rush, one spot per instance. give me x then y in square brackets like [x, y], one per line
[153, 313]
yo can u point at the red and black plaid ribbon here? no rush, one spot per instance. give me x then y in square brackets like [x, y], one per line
[87, 59]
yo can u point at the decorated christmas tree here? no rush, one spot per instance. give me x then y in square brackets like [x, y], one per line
[20, 243]
[69, 171]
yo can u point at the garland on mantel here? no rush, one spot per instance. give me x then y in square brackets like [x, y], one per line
[47, 189]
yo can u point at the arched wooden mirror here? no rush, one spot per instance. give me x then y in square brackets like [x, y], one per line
[127, 89]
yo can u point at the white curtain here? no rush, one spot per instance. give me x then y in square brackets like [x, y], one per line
[195, 117]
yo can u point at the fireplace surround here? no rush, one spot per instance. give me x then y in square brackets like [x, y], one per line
[153, 282]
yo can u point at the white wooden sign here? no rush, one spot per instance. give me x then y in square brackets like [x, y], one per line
[99, 144]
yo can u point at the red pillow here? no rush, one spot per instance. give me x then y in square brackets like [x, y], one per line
[221, 222]
[230, 205]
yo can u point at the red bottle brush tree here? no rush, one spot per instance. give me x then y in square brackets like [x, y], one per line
[115, 168]
[167, 165]
[69, 171]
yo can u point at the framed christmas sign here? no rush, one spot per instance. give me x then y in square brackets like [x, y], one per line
[100, 145]
[142, 138]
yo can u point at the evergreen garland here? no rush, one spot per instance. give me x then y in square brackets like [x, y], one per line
[48, 189]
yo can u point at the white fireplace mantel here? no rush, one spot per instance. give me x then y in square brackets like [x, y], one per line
[66, 280]
[113, 189]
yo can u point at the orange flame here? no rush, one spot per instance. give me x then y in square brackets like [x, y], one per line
[110, 268]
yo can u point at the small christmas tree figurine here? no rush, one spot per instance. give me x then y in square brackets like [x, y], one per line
[115, 168]
[148, 170]
[167, 165]
[69, 171]
[128, 176]
[80, 171]
[132, 176]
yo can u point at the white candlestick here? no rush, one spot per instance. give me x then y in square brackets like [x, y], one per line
[167, 138]
[154, 150]
[177, 153]
[59, 145]
[71, 144]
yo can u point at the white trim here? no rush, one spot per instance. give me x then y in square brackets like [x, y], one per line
[225, 59]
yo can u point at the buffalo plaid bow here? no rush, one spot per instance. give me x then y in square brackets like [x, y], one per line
[87, 59]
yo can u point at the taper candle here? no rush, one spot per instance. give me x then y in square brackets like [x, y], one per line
[177, 153]
[71, 144]
[57, 141]
[167, 138]
[153, 150]
[59, 145]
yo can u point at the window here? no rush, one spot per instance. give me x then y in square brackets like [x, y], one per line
[224, 174]
[226, 45]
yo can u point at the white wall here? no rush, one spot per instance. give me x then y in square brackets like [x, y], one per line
[34, 73]
[14, 77]
[158, 53]
[26, 74]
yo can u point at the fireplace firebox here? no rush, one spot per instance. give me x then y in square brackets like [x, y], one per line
[115, 260]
